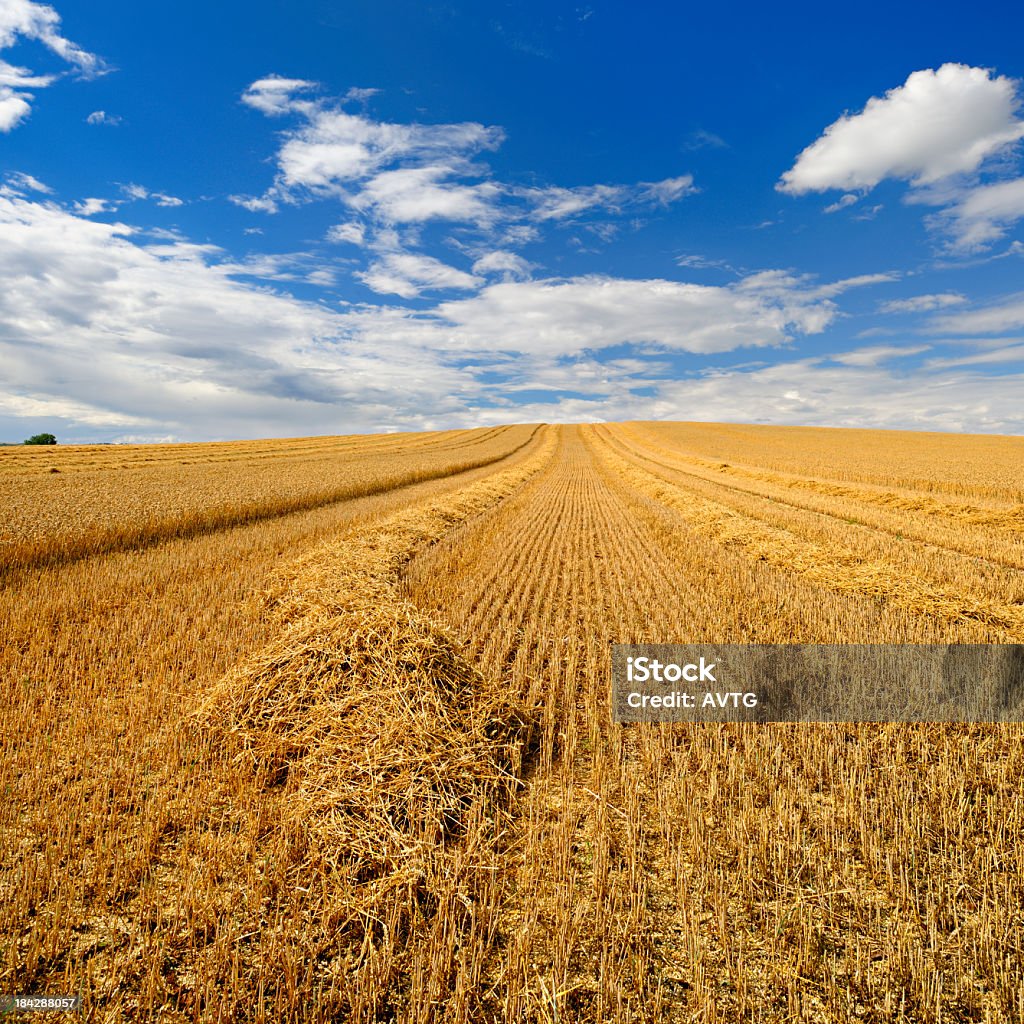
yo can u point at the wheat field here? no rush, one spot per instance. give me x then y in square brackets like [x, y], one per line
[320, 729]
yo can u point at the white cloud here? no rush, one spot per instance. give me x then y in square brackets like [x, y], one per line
[806, 392]
[101, 330]
[699, 262]
[139, 192]
[24, 19]
[841, 203]
[409, 274]
[255, 204]
[874, 354]
[335, 147]
[90, 207]
[922, 303]
[417, 194]
[357, 95]
[410, 174]
[352, 233]
[808, 303]
[102, 117]
[994, 319]
[21, 180]
[1013, 353]
[802, 391]
[556, 203]
[701, 139]
[275, 95]
[508, 265]
[668, 190]
[939, 123]
[984, 214]
[14, 108]
[566, 317]
[859, 281]
[171, 338]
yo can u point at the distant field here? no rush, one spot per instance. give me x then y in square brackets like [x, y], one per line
[319, 729]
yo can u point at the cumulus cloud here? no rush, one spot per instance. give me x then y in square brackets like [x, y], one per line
[101, 329]
[154, 335]
[937, 124]
[27, 20]
[334, 147]
[167, 337]
[567, 317]
[805, 391]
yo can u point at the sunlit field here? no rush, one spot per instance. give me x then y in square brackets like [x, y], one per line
[319, 729]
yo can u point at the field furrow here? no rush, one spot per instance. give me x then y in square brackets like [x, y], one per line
[994, 533]
[843, 555]
[53, 517]
[128, 868]
[355, 761]
[719, 872]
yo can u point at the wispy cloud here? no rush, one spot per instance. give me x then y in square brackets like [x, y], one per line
[21, 180]
[102, 117]
[409, 275]
[407, 174]
[134, 192]
[702, 139]
[22, 19]
[922, 303]
[984, 214]
[841, 203]
[1007, 315]
[873, 355]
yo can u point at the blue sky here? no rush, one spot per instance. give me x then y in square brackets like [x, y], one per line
[227, 220]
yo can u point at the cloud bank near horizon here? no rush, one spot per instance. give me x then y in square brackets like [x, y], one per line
[435, 293]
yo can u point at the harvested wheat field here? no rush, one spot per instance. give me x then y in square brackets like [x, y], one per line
[320, 729]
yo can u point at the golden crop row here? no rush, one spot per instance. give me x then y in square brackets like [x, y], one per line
[729, 873]
[139, 856]
[21, 460]
[57, 517]
[976, 466]
[288, 772]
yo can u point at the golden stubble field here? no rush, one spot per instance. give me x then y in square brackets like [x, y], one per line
[319, 729]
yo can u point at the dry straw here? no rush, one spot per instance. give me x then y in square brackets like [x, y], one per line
[395, 755]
